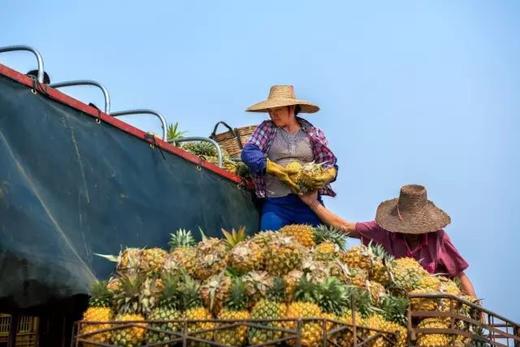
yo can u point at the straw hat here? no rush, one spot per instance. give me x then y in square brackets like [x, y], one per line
[411, 213]
[282, 95]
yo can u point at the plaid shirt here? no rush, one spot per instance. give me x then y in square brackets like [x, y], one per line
[263, 137]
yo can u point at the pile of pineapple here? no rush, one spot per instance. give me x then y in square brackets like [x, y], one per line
[297, 272]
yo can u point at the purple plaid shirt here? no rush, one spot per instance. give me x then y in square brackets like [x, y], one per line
[262, 139]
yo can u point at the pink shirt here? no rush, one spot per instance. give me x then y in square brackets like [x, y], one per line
[434, 251]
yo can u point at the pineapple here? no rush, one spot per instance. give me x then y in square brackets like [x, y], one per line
[433, 339]
[311, 332]
[304, 174]
[332, 296]
[302, 233]
[182, 251]
[448, 286]
[407, 273]
[244, 256]
[270, 308]
[258, 284]
[291, 281]
[376, 290]
[324, 233]
[214, 292]
[197, 316]
[166, 310]
[152, 261]
[283, 255]
[358, 277]
[234, 310]
[326, 251]
[98, 311]
[376, 321]
[381, 261]
[129, 308]
[129, 261]
[426, 285]
[345, 337]
[210, 257]
[201, 148]
[358, 257]
[395, 309]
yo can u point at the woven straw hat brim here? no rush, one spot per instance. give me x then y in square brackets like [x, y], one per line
[429, 219]
[264, 106]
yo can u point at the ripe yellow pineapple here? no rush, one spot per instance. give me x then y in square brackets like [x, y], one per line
[98, 311]
[234, 310]
[311, 331]
[357, 257]
[302, 233]
[166, 310]
[376, 290]
[211, 257]
[345, 337]
[326, 251]
[269, 308]
[426, 285]
[433, 339]
[258, 284]
[246, 256]
[448, 286]
[197, 316]
[129, 307]
[152, 261]
[182, 252]
[376, 321]
[406, 273]
[215, 291]
[283, 255]
[379, 271]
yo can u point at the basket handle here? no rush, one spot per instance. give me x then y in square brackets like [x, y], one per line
[233, 131]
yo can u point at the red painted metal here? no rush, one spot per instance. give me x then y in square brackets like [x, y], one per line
[90, 111]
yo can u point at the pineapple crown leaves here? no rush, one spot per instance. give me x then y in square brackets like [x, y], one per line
[324, 233]
[307, 291]
[395, 308]
[361, 301]
[333, 296]
[237, 299]
[189, 288]
[234, 237]
[277, 290]
[100, 296]
[181, 238]
[173, 133]
[202, 234]
[171, 294]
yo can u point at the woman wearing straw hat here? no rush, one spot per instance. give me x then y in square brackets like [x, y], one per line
[407, 226]
[275, 143]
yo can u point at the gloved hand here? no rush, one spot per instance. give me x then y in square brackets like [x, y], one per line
[281, 173]
[324, 178]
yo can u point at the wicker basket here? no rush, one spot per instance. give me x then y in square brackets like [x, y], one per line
[234, 139]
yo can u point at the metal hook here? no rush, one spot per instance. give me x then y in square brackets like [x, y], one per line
[37, 54]
[86, 83]
[145, 111]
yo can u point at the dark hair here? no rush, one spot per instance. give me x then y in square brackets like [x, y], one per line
[34, 73]
[297, 109]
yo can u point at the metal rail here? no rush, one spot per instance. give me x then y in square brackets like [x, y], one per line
[144, 111]
[204, 139]
[37, 54]
[86, 83]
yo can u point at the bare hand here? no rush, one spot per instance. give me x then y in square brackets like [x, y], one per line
[309, 198]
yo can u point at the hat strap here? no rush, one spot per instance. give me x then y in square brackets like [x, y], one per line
[399, 212]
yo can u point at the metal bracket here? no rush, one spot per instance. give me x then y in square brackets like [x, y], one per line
[204, 139]
[86, 83]
[37, 54]
[144, 111]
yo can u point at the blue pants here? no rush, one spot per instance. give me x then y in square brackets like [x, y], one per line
[277, 212]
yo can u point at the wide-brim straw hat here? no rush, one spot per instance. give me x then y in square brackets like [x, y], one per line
[411, 213]
[280, 96]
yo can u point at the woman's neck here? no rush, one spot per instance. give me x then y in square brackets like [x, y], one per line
[293, 126]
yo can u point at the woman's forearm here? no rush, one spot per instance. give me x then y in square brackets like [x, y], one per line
[330, 218]
[467, 286]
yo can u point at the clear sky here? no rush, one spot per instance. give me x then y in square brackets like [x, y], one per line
[410, 92]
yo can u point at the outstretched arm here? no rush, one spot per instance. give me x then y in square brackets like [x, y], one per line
[467, 286]
[328, 217]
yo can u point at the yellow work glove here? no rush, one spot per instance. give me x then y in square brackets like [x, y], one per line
[324, 178]
[281, 173]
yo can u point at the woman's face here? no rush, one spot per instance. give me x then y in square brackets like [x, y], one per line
[282, 116]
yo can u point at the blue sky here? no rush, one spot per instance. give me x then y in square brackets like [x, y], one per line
[410, 92]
